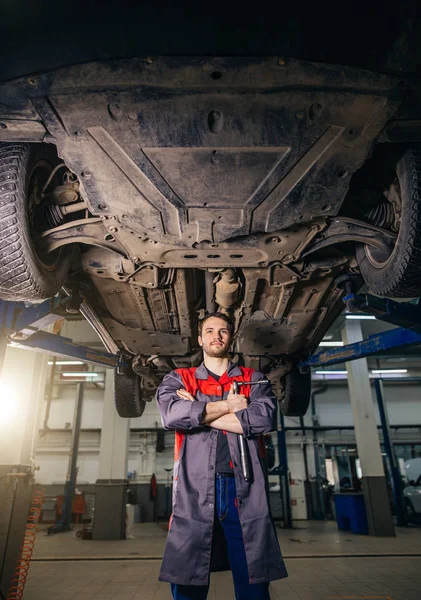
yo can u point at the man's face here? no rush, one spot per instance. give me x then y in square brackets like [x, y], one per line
[215, 339]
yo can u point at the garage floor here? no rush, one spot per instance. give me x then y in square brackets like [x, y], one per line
[323, 564]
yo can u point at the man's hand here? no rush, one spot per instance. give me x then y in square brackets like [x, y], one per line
[236, 401]
[185, 395]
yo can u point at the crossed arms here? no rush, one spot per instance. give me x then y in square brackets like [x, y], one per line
[220, 414]
[252, 417]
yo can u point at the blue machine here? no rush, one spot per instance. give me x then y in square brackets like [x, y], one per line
[350, 512]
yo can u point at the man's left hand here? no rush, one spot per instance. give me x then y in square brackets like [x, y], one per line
[185, 395]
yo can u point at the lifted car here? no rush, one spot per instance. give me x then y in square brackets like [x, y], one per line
[159, 188]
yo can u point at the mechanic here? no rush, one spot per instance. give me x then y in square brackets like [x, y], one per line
[219, 520]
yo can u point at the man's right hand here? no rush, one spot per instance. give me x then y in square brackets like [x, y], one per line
[236, 401]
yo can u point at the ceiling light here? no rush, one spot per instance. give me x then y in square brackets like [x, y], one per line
[332, 344]
[331, 372]
[83, 374]
[66, 362]
[389, 370]
[361, 317]
[328, 337]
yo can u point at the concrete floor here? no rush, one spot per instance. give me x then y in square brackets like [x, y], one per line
[323, 564]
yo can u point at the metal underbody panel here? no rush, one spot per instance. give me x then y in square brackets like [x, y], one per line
[194, 164]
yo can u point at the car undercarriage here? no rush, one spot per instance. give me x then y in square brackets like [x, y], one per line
[159, 189]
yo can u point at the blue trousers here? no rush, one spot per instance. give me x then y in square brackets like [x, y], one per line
[227, 513]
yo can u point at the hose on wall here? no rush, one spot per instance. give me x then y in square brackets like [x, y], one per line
[18, 582]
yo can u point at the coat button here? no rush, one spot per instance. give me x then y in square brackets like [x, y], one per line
[211, 468]
[219, 387]
[211, 505]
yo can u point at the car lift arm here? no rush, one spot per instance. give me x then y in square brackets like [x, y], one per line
[21, 326]
[405, 314]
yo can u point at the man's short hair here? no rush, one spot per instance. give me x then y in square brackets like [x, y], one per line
[216, 315]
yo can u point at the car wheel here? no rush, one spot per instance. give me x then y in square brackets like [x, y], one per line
[27, 272]
[128, 395]
[410, 507]
[295, 392]
[396, 272]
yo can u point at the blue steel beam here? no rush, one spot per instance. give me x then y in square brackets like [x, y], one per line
[402, 314]
[15, 316]
[395, 338]
[61, 346]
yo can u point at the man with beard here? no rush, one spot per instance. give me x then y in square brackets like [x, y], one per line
[219, 520]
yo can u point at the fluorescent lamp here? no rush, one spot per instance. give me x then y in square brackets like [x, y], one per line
[361, 317]
[66, 362]
[331, 372]
[332, 344]
[328, 337]
[379, 371]
[82, 374]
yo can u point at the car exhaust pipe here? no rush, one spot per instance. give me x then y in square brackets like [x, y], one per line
[227, 290]
[209, 292]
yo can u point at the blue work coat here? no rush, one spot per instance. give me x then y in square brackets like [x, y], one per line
[195, 546]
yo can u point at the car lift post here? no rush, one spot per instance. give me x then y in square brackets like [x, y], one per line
[407, 315]
[22, 326]
[401, 518]
[65, 523]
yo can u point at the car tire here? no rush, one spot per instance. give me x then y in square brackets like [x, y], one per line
[295, 392]
[25, 273]
[397, 273]
[128, 395]
[410, 507]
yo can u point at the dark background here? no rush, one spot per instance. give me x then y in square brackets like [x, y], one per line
[37, 35]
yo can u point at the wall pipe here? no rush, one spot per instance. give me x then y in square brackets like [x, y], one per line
[284, 473]
[318, 512]
[292, 428]
[346, 427]
[303, 427]
[49, 398]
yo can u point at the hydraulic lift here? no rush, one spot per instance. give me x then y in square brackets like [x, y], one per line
[404, 314]
[407, 316]
[21, 325]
